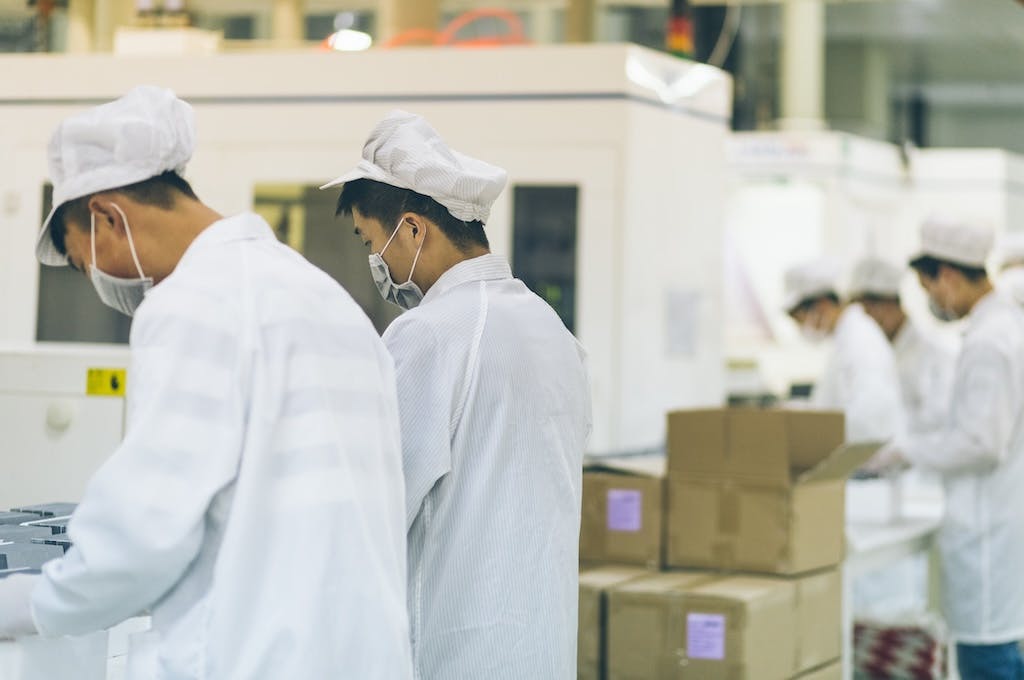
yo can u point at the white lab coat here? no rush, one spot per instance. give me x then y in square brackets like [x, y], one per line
[861, 379]
[926, 376]
[980, 456]
[255, 504]
[1011, 282]
[495, 412]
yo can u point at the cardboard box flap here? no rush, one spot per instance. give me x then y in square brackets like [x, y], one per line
[812, 435]
[841, 462]
[667, 582]
[606, 577]
[640, 466]
[742, 588]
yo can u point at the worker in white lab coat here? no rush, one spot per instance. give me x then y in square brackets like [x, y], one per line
[860, 377]
[979, 452]
[255, 506]
[495, 411]
[924, 361]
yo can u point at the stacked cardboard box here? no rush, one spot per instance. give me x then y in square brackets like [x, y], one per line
[593, 617]
[754, 514]
[624, 512]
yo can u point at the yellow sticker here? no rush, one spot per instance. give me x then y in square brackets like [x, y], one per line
[105, 382]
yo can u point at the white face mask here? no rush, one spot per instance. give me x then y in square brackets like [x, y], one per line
[124, 295]
[810, 331]
[406, 295]
[939, 312]
[813, 334]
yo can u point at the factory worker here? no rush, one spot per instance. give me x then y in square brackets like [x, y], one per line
[860, 377]
[924, 362]
[1011, 276]
[978, 452]
[495, 410]
[255, 504]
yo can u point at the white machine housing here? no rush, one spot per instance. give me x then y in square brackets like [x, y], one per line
[55, 434]
[639, 133]
[986, 185]
[797, 196]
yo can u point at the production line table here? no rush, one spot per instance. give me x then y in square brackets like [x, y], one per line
[874, 546]
[870, 546]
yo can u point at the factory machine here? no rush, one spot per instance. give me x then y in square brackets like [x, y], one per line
[796, 196]
[62, 413]
[979, 184]
[613, 213]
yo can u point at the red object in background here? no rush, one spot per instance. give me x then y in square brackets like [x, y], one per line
[882, 652]
[513, 35]
[680, 36]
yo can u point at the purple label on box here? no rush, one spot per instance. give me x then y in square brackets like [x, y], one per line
[705, 636]
[625, 509]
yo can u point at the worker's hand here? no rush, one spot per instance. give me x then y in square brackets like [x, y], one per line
[888, 458]
[15, 606]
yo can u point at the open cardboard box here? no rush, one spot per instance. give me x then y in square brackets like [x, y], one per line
[758, 491]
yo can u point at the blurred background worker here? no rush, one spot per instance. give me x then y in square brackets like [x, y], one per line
[495, 409]
[979, 452]
[924, 362]
[860, 376]
[1011, 256]
[255, 503]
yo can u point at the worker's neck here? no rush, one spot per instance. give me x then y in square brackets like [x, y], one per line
[976, 292]
[190, 218]
[451, 257]
[901, 322]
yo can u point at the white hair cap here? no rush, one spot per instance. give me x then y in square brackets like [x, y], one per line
[962, 243]
[808, 281]
[145, 133]
[876, 276]
[404, 151]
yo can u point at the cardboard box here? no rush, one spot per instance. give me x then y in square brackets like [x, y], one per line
[758, 491]
[819, 607]
[696, 626]
[833, 671]
[623, 512]
[593, 617]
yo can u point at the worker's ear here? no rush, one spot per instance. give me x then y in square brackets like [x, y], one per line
[107, 216]
[416, 224]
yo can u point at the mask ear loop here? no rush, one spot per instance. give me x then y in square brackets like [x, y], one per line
[92, 237]
[391, 238]
[131, 243]
[417, 258]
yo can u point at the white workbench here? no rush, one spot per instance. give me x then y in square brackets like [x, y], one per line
[871, 546]
[99, 656]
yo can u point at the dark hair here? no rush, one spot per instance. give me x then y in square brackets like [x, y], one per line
[875, 297]
[929, 266]
[806, 304]
[386, 204]
[160, 191]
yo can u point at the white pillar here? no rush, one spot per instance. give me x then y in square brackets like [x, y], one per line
[579, 21]
[287, 23]
[109, 15]
[81, 25]
[802, 76]
[395, 17]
